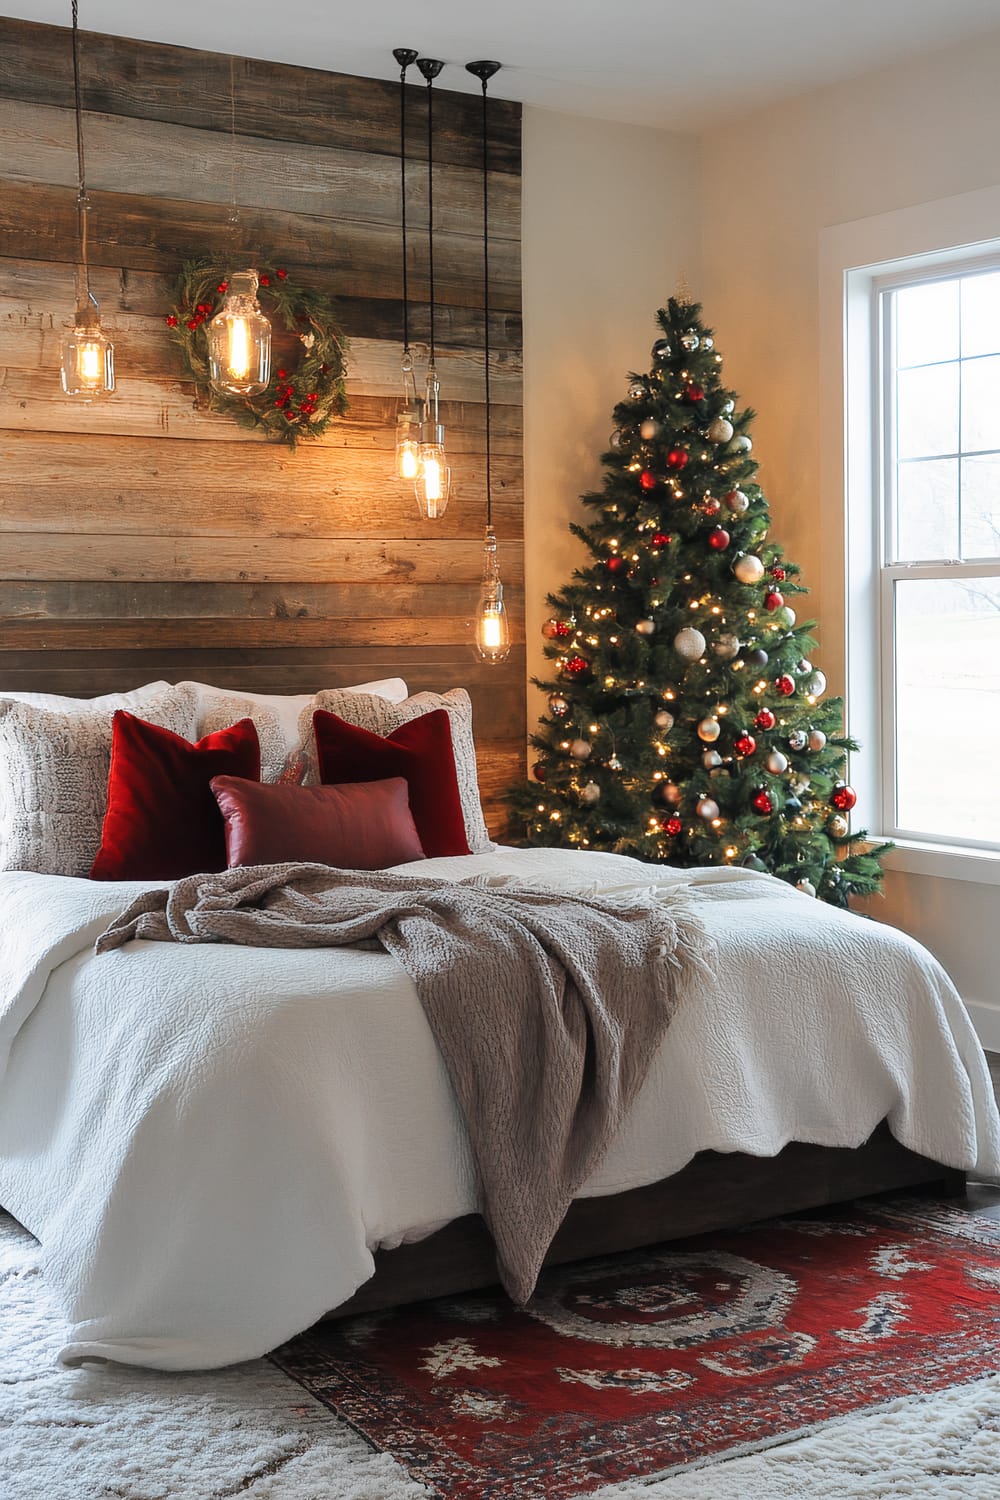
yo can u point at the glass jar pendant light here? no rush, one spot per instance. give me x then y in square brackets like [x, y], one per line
[87, 355]
[433, 483]
[409, 413]
[492, 628]
[239, 340]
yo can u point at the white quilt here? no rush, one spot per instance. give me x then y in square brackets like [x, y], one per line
[210, 1141]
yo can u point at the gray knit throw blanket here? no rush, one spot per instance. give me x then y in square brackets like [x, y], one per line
[547, 1009]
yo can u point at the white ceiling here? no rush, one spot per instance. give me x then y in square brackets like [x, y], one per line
[652, 62]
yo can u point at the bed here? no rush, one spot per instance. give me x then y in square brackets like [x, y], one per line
[217, 1146]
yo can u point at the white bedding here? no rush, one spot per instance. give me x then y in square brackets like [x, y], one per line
[210, 1141]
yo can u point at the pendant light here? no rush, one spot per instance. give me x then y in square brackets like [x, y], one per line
[87, 355]
[239, 336]
[433, 483]
[492, 627]
[409, 412]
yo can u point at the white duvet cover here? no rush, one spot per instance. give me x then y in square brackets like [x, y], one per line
[211, 1141]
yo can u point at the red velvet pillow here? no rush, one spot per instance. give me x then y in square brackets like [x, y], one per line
[162, 821]
[420, 751]
[359, 826]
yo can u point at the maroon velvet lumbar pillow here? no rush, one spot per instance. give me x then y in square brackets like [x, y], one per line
[420, 751]
[162, 821]
[360, 826]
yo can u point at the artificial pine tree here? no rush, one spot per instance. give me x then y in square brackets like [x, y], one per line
[685, 724]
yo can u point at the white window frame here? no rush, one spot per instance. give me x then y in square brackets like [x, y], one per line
[857, 261]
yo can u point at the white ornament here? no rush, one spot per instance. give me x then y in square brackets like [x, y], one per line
[817, 739]
[709, 730]
[719, 430]
[645, 627]
[664, 720]
[776, 763]
[742, 444]
[737, 501]
[806, 887]
[804, 667]
[689, 643]
[726, 647]
[707, 809]
[590, 793]
[711, 759]
[748, 568]
[814, 685]
[785, 616]
[580, 749]
[649, 428]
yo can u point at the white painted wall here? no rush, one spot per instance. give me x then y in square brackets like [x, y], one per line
[611, 221]
[892, 139]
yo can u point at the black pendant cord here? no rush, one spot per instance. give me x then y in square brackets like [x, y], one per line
[82, 202]
[484, 71]
[430, 67]
[404, 56]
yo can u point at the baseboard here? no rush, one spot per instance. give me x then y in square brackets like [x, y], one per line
[986, 1019]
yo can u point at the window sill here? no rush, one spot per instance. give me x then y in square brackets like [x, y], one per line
[944, 861]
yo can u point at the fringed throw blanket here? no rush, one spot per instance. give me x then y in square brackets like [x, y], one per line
[547, 1009]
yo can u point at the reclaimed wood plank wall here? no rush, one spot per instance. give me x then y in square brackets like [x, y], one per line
[140, 537]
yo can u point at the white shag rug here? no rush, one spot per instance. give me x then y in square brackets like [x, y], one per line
[124, 1434]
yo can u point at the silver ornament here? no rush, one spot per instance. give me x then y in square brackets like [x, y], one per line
[707, 809]
[558, 706]
[645, 627]
[709, 730]
[837, 826]
[637, 390]
[581, 749]
[798, 739]
[616, 439]
[728, 407]
[786, 616]
[664, 720]
[726, 647]
[776, 763]
[720, 430]
[741, 444]
[689, 643]
[590, 793]
[614, 764]
[737, 502]
[707, 341]
[817, 739]
[711, 759]
[814, 685]
[748, 568]
[649, 428]
[661, 349]
[689, 341]
[806, 887]
[671, 793]
[804, 667]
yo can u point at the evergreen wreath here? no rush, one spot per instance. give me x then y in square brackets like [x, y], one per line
[301, 400]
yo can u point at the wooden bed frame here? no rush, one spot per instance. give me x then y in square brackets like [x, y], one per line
[714, 1191]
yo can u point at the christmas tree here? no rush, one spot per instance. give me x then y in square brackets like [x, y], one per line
[685, 723]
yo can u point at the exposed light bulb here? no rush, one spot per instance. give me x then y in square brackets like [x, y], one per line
[492, 628]
[432, 485]
[239, 341]
[87, 358]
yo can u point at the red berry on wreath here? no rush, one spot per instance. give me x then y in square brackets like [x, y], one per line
[281, 275]
[264, 281]
[282, 374]
[662, 539]
[744, 744]
[223, 286]
[171, 320]
[677, 458]
[843, 797]
[193, 323]
[647, 480]
[765, 719]
[761, 802]
[785, 685]
[718, 538]
[773, 600]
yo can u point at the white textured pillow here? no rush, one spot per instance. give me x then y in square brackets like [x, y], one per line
[54, 773]
[284, 724]
[380, 717]
[132, 701]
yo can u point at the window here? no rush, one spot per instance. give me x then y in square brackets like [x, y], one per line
[938, 388]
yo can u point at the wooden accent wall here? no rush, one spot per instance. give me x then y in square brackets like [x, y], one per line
[141, 538]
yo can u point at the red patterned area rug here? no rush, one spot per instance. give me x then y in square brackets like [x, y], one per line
[637, 1365]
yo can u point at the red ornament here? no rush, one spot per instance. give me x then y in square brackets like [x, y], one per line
[693, 392]
[614, 563]
[677, 458]
[538, 771]
[843, 797]
[647, 480]
[765, 719]
[563, 630]
[785, 685]
[576, 665]
[761, 802]
[744, 744]
[718, 538]
[778, 572]
[773, 600]
[671, 825]
[662, 539]
[281, 275]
